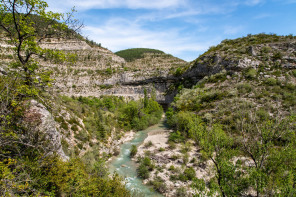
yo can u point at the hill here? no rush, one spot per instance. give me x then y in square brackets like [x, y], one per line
[137, 53]
[233, 121]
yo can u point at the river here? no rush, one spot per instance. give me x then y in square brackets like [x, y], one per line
[125, 167]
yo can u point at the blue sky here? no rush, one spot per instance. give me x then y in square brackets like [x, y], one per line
[183, 28]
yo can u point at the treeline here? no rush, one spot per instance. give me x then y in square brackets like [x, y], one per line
[137, 53]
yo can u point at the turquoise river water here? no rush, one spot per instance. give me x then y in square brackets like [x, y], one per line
[125, 167]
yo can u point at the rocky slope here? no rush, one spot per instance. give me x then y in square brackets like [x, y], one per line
[97, 71]
[244, 86]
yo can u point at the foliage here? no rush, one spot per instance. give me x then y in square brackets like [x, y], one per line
[133, 150]
[145, 166]
[51, 177]
[28, 164]
[132, 54]
[243, 122]
[159, 184]
[102, 114]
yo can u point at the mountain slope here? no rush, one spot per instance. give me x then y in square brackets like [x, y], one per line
[234, 123]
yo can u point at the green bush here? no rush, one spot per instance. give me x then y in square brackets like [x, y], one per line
[134, 150]
[190, 173]
[251, 73]
[244, 88]
[271, 81]
[74, 128]
[171, 168]
[148, 144]
[277, 56]
[159, 184]
[143, 171]
[181, 192]
[294, 73]
[64, 126]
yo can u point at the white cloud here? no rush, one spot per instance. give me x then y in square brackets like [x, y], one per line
[232, 30]
[105, 4]
[118, 34]
[262, 16]
[253, 2]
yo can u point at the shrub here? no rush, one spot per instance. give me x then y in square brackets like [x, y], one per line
[185, 158]
[74, 128]
[134, 150]
[73, 121]
[82, 136]
[172, 145]
[190, 173]
[159, 184]
[294, 73]
[178, 72]
[251, 73]
[143, 171]
[148, 144]
[161, 149]
[172, 168]
[271, 81]
[219, 77]
[277, 56]
[244, 88]
[64, 126]
[181, 192]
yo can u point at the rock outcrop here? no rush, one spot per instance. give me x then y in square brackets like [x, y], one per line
[44, 128]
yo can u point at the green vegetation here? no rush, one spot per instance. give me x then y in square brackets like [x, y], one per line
[132, 54]
[28, 163]
[50, 176]
[134, 150]
[240, 45]
[243, 121]
[101, 115]
[226, 124]
[159, 184]
[145, 167]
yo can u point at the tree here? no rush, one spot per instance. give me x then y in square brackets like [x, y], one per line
[216, 146]
[271, 146]
[27, 23]
[24, 24]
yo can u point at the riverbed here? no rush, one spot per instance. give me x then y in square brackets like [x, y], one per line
[125, 167]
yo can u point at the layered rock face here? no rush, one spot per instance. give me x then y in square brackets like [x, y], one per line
[97, 71]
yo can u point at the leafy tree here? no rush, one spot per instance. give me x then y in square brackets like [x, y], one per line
[27, 24]
[271, 146]
[216, 146]
[25, 167]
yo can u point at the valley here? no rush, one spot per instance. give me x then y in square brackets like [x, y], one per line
[79, 120]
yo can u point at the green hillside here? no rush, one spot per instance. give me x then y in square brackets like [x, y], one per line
[137, 53]
[243, 117]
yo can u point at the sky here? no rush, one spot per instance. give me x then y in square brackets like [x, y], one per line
[183, 28]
